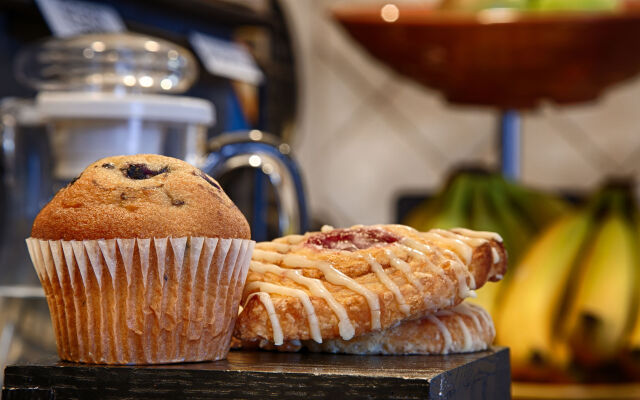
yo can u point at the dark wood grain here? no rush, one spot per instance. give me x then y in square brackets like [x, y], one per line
[250, 375]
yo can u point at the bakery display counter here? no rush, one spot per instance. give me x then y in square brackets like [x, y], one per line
[269, 375]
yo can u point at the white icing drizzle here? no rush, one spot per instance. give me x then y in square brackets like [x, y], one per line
[316, 288]
[473, 239]
[456, 313]
[485, 317]
[265, 299]
[331, 274]
[398, 226]
[468, 240]
[292, 239]
[278, 247]
[478, 234]
[457, 265]
[388, 283]
[405, 268]
[314, 327]
[326, 228]
[421, 254]
[468, 341]
[462, 269]
[446, 335]
[495, 255]
[451, 241]
[462, 308]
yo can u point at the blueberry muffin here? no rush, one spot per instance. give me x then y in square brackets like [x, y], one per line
[143, 259]
[140, 196]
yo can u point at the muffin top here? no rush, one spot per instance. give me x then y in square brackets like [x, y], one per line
[141, 196]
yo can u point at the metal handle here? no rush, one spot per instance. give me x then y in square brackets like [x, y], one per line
[268, 156]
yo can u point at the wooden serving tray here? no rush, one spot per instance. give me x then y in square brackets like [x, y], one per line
[266, 375]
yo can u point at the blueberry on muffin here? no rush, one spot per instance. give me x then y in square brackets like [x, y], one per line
[140, 196]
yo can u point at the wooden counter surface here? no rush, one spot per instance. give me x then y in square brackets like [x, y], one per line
[267, 375]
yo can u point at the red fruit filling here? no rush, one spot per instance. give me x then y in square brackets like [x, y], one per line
[352, 239]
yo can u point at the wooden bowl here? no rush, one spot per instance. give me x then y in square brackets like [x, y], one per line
[503, 58]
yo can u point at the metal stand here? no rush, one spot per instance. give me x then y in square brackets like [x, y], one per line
[510, 155]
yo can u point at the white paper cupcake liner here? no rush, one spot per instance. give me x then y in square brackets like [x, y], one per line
[142, 301]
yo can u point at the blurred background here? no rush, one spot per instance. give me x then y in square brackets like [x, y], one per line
[515, 116]
[365, 130]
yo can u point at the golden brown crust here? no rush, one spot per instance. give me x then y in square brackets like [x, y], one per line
[168, 197]
[437, 289]
[426, 335]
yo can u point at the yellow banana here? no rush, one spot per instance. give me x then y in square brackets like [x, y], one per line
[531, 300]
[629, 358]
[633, 341]
[487, 297]
[634, 337]
[597, 317]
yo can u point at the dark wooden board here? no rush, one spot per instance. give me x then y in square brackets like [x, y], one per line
[266, 375]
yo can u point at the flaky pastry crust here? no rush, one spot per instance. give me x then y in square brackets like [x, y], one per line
[461, 329]
[425, 273]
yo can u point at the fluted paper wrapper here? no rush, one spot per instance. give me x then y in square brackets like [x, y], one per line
[142, 301]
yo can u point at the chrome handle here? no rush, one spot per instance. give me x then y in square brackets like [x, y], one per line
[270, 156]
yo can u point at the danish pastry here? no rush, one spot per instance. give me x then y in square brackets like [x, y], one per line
[461, 329]
[344, 283]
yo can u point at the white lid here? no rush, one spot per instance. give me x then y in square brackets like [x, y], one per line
[151, 107]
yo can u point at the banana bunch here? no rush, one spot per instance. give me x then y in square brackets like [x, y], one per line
[484, 201]
[569, 307]
[570, 310]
